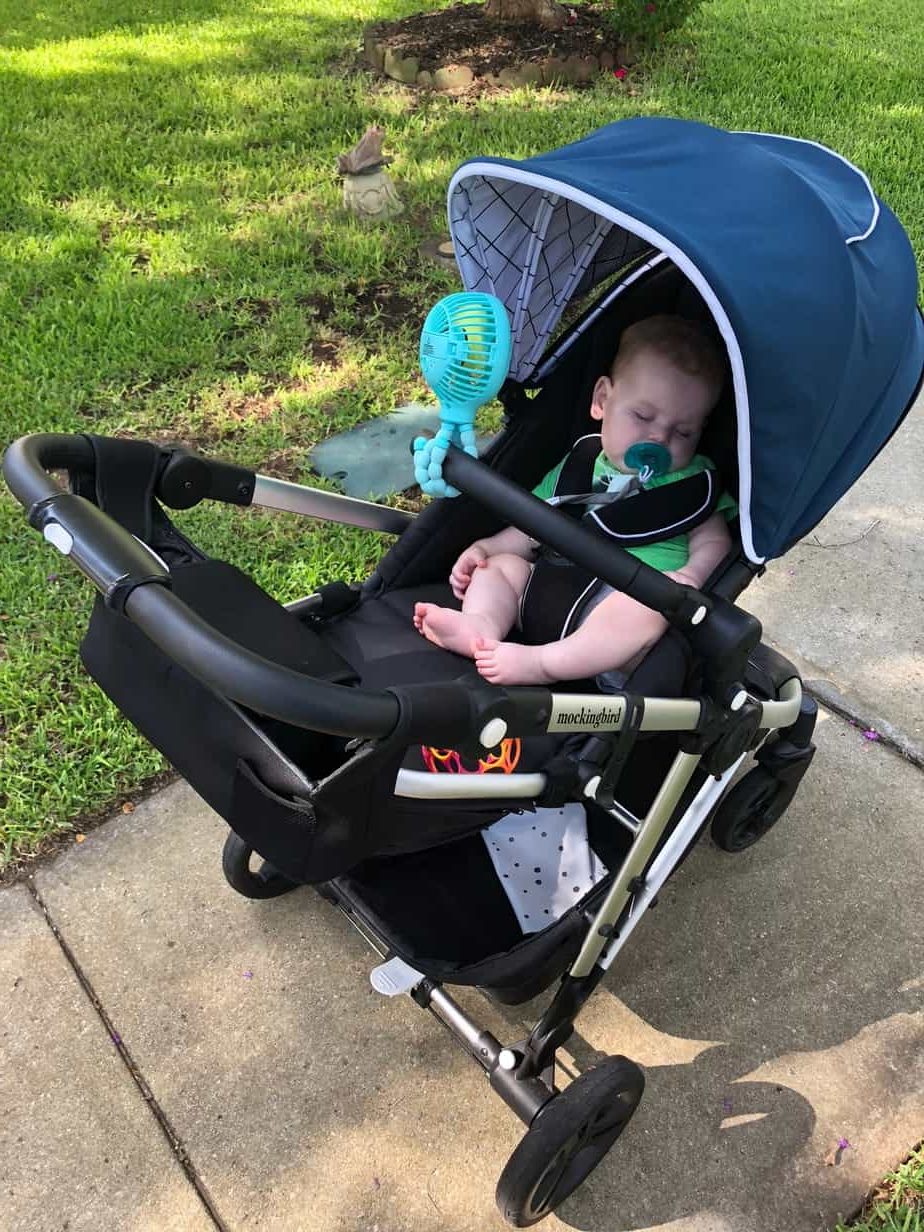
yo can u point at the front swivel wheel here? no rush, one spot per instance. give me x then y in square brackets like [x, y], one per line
[567, 1139]
[264, 882]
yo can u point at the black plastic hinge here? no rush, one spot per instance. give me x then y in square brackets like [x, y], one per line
[421, 994]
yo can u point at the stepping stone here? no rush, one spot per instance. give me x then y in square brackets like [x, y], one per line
[374, 459]
[440, 252]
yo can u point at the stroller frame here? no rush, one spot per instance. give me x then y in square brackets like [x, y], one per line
[739, 712]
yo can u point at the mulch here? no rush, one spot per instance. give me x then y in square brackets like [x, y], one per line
[462, 35]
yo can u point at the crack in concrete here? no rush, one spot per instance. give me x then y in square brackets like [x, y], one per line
[173, 1138]
[855, 713]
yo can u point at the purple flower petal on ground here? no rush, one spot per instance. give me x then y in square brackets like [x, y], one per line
[871, 734]
[116, 1038]
[248, 975]
[842, 1144]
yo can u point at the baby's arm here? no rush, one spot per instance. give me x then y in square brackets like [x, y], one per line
[709, 543]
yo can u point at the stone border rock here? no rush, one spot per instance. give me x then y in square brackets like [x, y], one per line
[573, 70]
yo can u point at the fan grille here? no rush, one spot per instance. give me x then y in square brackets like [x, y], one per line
[465, 349]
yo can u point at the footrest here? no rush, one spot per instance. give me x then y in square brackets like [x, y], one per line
[394, 977]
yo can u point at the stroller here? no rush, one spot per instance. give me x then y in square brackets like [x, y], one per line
[323, 731]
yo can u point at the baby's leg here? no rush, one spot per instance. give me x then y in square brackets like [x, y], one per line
[615, 634]
[489, 608]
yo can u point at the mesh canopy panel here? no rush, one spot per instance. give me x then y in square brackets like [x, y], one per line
[535, 252]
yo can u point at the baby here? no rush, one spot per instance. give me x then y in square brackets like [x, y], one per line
[665, 379]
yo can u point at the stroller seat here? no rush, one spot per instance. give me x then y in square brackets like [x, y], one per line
[304, 800]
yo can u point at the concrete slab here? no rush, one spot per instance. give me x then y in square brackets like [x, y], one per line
[774, 997]
[306, 1101]
[79, 1149]
[849, 597]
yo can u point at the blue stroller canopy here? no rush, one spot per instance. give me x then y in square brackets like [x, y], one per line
[809, 276]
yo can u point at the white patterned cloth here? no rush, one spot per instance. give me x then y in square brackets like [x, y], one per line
[544, 862]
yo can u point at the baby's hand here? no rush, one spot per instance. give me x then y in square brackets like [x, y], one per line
[470, 560]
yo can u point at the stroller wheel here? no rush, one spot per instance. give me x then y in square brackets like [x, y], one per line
[752, 806]
[266, 882]
[567, 1140]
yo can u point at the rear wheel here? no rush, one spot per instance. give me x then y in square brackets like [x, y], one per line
[753, 805]
[567, 1139]
[262, 882]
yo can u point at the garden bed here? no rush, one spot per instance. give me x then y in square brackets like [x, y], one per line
[458, 48]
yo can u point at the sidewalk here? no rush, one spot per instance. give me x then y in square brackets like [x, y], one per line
[226, 1063]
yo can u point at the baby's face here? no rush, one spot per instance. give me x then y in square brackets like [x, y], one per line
[651, 400]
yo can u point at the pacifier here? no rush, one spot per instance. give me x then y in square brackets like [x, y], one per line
[648, 460]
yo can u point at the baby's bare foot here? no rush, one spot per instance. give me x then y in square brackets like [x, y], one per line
[508, 662]
[452, 630]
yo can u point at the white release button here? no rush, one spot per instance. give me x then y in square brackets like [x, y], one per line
[738, 700]
[493, 733]
[58, 537]
[590, 791]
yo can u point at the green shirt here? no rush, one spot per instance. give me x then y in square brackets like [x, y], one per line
[669, 554]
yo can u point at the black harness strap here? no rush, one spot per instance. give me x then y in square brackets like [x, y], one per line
[558, 591]
[658, 513]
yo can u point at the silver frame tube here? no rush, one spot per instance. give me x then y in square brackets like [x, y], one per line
[633, 866]
[786, 710]
[669, 856]
[597, 713]
[269, 493]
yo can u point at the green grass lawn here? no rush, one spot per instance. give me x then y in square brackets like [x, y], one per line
[174, 261]
[898, 1205]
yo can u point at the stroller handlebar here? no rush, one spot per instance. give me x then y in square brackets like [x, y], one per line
[28, 460]
[133, 580]
[256, 682]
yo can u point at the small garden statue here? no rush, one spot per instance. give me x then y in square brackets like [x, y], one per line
[368, 189]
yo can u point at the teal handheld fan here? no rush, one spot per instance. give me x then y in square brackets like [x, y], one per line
[464, 356]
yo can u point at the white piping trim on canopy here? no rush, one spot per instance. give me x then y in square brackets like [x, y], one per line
[517, 175]
[748, 132]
